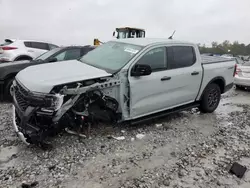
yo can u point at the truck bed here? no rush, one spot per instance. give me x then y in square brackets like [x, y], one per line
[216, 68]
[214, 59]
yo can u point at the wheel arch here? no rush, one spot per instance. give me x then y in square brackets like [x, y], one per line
[10, 76]
[220, 81]
[23, 57]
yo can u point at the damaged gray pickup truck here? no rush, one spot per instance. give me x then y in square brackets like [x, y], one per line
[124, 80]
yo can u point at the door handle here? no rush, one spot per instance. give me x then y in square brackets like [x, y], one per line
[165, 78]
[194, 73]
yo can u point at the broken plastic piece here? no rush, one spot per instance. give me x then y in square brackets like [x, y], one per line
[238, 170]
[158, 125]
[140, 136]
[74, 133]
[118, 138]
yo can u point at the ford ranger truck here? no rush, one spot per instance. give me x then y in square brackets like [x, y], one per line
[125, 80]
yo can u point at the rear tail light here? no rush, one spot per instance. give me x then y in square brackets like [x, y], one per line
[8, 48]
[236, 70]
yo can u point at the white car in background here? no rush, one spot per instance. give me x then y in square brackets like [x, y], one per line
[242, 75]
[18, 50]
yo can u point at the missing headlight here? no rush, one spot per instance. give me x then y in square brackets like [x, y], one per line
[55, 104]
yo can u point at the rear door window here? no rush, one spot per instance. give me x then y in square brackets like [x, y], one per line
[40, 45]
[27, 44]
[181, 56]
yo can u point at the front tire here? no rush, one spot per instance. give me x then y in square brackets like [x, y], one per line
[210, 99]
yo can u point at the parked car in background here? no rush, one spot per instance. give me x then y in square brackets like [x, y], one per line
[242, 76]
[122, 80]
[18, 50]
[244, 57]
[208, 54]
[239, 61]
[9, 70]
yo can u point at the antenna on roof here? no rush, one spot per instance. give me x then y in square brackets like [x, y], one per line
[171, 37]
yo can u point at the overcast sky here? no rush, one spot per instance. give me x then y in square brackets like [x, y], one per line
[66, 22]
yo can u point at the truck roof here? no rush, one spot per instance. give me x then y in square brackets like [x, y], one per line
[150, 41]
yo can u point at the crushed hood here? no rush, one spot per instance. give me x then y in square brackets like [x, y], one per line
[42, 78]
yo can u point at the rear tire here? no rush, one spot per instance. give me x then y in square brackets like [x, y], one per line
[210, 99]
[7, 95]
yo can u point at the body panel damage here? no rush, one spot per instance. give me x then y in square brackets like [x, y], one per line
[68, 107]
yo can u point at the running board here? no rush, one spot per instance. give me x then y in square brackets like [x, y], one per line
[164, 113]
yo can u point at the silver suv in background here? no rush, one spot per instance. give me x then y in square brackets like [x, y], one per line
[18, 50]
[242, 75]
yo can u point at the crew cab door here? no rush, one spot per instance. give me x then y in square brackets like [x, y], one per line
[174, 81]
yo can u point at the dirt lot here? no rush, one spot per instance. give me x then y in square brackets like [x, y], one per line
[186, 149]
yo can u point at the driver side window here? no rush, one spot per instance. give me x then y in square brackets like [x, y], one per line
[155, 58]
[69, 55]
[61, 56]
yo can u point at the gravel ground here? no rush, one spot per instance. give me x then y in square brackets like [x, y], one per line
[187, 149]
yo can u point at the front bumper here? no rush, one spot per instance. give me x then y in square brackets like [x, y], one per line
[19, 133]
[28, 118]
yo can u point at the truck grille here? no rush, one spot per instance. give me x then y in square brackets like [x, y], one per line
[20, 94]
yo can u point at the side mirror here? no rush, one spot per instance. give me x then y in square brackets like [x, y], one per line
[53, 59]
[141, 70]
[113, 33]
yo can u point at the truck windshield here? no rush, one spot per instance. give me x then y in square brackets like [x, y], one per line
[111, 56]
[48, 54]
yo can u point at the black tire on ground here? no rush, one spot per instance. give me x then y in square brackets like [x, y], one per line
[210, 99]
[7, 95]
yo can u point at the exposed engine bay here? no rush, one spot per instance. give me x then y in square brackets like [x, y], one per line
[72, 107]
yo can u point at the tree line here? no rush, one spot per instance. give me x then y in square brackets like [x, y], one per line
[226, 47]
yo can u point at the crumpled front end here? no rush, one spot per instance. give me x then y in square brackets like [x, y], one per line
[33, 113]
[37, 116]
